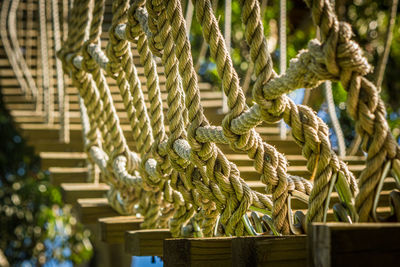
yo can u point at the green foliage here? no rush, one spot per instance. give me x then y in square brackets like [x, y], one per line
[35, 226]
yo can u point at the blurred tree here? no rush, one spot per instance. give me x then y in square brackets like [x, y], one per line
[35, 226]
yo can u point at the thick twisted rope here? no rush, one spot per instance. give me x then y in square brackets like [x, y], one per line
[237, 194]
[250, 141]
[64, 126]
[191, 80]
[343, 60]
[119, 52]
[44, 56]
[177, 130]
[309, 141]
[182, 212]
[91, 98]
[201, 177]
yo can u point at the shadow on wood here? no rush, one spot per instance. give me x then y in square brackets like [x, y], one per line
[361, 244]
[198, 252]
[146, 242]
[112, 229]
[269, 251]
[89, 210]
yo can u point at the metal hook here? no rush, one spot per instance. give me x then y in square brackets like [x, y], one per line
[247, 224]
[379, 189]
[257, 222]
[328, 199]
[341, 213]
[216, 226]
[263, 211]
[396, 171]
[196, 228]
[268, 220]
[295, 228]
[345, 195]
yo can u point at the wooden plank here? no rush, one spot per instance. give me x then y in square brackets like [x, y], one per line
[361, 244]
[112, 229]
[89, 210]
[146, 242]
[198, 252]
[71, 192]
[62, 159]
[60, 175]
[269, 251]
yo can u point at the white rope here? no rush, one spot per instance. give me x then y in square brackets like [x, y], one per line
[12, 24]
[334, 119]
[9, 51]
[189, 17]
[64, 131]
[282, 54]
[227, 37]
[48, 98]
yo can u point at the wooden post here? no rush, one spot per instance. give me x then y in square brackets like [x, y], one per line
[112, 229]
[71, 192]
[198, 252]
[361, 244]
[146, 242]
[89, 210]
[269, 251]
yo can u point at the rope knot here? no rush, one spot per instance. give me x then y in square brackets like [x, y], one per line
[338, 55]
[89, 64]
[133, 29]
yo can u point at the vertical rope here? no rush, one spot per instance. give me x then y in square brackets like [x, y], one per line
[8, 48]
[227, 37]
[64, 133]
[48, 98]
[282, 54]
[327, 86]
[32, 90]
[380, 71]
[204, 45]
[66, 122]
[189, 17]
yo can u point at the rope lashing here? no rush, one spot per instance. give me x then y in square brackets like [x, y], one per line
[182, 179]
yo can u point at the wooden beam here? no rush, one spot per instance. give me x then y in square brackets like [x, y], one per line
[59, 175]
[89, 210]
[269, 251]
[146, 242]
[361, 244]
[71, 192]
[112, 229]
[198, 252]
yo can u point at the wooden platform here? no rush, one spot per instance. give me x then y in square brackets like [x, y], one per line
[112, 229]
[363, 244]
[90, 210]
[146, 242]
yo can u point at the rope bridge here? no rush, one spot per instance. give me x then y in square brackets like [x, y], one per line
[177, 177]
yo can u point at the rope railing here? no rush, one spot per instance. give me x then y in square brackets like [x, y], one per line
[195, 151]
[180, 178]
[22, 59]
[18, 64]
